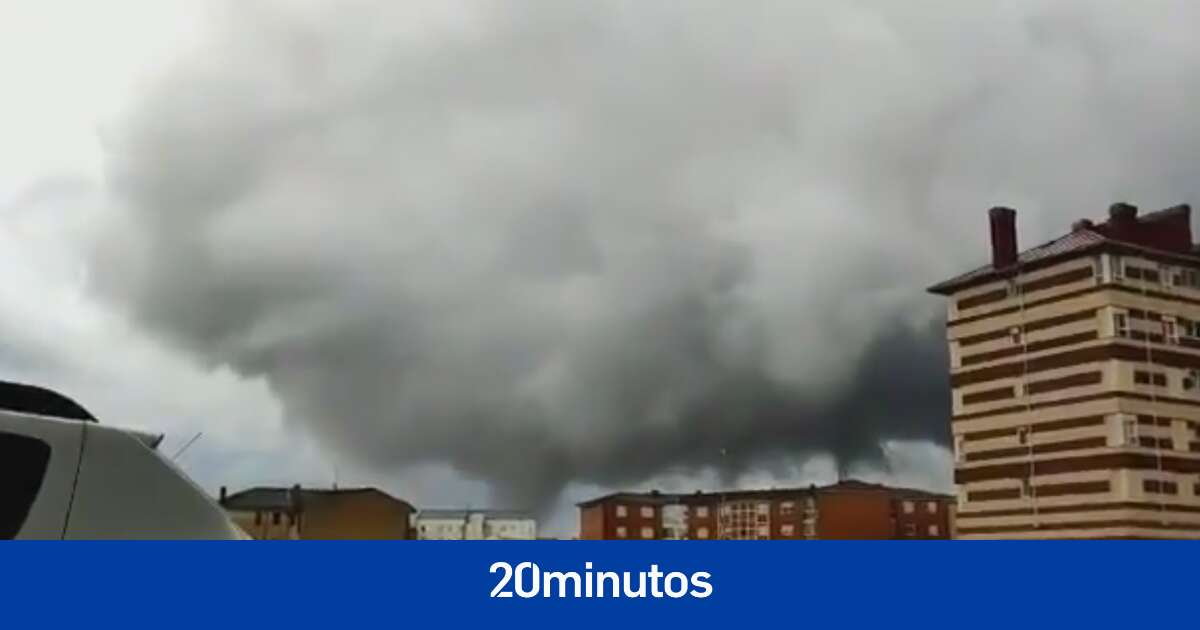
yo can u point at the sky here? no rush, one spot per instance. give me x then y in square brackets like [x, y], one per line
[515, 254]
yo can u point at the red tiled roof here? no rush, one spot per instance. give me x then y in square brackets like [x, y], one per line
[1164, 233]
[1079, 241]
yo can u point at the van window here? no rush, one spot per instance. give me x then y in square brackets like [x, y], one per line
[25, 461]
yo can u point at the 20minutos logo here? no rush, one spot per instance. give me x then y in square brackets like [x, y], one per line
[528, 580]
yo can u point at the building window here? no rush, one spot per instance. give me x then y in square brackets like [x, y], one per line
[1170, 330]
[1134, 272]
[1188, 278]
[1026, 488]
[1146, 378]
[1120, 324]
[810, 529]
[787, 530]
[622, 531]
[931, 507]
[1022, 435]
[908, 507]
[647, 532]
[647, 511]
[1015, 334]
[810, 504]
[1129, 431]
[787, 507]
[702, 532]
[258, 518]
[933, 531]
[1155, 486]
[910, 530]
[702, 512]
[1118, 269]
[763, 508]
[24, 460]
[275, 518]
[622, 511]
[743, 520]
[960, 444]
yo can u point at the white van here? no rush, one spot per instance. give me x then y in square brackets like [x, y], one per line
[64, 476]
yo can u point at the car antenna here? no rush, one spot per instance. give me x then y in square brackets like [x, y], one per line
[187, 446]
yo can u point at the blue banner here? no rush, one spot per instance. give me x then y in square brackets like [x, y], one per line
[596, 584]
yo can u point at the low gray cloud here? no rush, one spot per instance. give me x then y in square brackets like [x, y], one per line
[548, 242]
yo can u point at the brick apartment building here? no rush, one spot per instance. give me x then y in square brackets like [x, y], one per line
[845, 510]
[1075, 375]
[318, 514]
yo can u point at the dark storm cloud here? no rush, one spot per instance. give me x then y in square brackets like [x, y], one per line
[549, 241]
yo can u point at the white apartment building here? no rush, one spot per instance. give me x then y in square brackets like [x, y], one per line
[473, 525]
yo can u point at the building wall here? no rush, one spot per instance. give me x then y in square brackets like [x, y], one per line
[918, 518]
[475, 526]
[261, 525]
[703, 518]
[768, 515]
[427, 528]
[1060, 429]
[510, 529]
[640, 521]
[354, 516]
[854, 516]
[592, 522]
[790, 515]
[794, 517]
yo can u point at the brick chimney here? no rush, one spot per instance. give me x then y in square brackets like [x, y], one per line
[1003, 222]
[1122, 218]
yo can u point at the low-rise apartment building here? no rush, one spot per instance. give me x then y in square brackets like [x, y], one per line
[845, 510]
[473, 525]
[272, 513]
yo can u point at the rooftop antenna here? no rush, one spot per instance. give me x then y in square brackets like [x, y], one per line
[187, 446]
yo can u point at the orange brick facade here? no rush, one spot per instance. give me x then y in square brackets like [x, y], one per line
[847, 510]
[856, 516]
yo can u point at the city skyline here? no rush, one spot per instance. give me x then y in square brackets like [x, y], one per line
[527, 253]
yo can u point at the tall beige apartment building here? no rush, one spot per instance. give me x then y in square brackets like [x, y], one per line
[1075, 375]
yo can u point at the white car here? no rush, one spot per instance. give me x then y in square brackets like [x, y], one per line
[65, 476]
